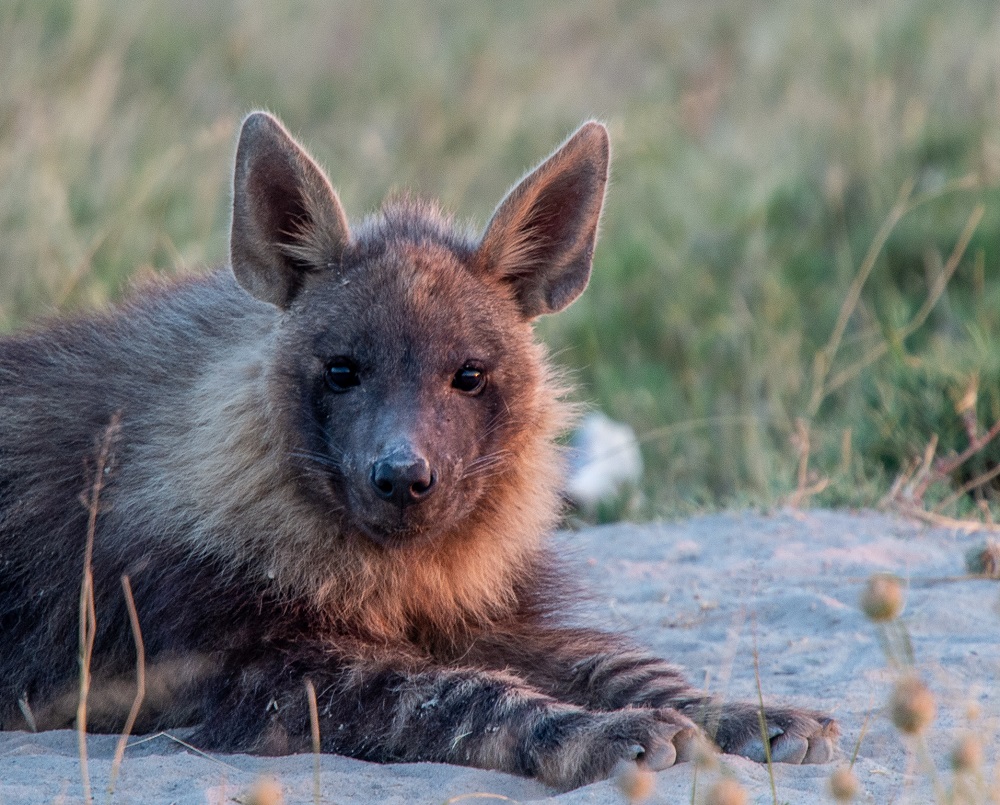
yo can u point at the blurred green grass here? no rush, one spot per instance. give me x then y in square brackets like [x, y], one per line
[759, 147]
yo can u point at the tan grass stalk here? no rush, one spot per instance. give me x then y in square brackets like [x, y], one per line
[29, 717]
[805, 446]
[824, 358]
[861, 735]
[763, 718]
[905, 203]
[140, 685]
[190, 747]
[978, 481]
[88, 615]
[941, 521]
[314, 724]
[947, 466]
[881, 348]
[846, 451]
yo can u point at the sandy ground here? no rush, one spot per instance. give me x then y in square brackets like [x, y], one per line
[700, 592]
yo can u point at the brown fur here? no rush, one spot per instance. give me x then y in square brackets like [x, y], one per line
[337, 461]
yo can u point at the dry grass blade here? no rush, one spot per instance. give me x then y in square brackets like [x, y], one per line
[140, 685]
[88, 630]
[29, 717]
[190, 747]
[918, 485]
[314, 724]
[861, 736]
[803, 444]
[907, 493]
[880, 349]
[824, 358]
[88, 615]
[764, 736]
[967, 526]
[952, 464]
[976, 482]
[822, 384]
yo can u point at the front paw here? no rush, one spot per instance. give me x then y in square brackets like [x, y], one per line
[793, 735]
[578, 747]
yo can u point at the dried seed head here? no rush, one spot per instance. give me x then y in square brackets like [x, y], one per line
[726, 792]
[843, 784]
[265, 791]
[967, 756]
[636, 783]
[912, 706]
[882, 599]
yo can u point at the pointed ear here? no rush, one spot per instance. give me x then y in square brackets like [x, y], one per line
[541, 238]
[287, 219]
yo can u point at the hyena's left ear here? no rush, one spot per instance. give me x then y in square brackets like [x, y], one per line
[541, 237]
[287, 219]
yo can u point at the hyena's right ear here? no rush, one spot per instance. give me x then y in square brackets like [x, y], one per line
[541, 238]
[287, 219]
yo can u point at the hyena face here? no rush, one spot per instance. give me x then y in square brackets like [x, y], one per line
[404, 359]
[415, 378]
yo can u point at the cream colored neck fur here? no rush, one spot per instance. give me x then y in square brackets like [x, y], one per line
[232, 493]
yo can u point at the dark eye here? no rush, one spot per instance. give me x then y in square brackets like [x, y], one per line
[342, 374]
[469, 379]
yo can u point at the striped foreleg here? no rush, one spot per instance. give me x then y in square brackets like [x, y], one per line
[604, 672]
[386, 711]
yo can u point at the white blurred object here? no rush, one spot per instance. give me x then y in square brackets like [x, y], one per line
[604, 457]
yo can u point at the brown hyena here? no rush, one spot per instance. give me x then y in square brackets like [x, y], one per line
[336, 461]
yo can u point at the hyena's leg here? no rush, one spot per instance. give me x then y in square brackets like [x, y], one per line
[603, 672]
[388, 712]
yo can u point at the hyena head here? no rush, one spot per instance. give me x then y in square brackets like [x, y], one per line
[404, 361]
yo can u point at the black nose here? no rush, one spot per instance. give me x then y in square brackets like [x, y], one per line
[403, 480]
